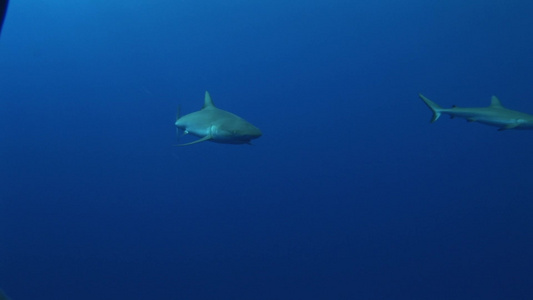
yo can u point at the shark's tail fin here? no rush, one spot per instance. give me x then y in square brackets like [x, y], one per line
[435, 108]
[179, 132]
[178, 112]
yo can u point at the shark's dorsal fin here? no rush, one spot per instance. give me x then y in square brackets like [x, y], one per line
[495, 102]
[208, 102]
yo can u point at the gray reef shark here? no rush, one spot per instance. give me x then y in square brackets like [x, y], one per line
[217, 125]
[494, 114]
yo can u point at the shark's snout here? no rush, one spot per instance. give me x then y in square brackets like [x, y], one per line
[249, 132]
[243, 134]
[255, 133]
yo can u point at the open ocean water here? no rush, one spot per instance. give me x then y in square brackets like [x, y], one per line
[349, 194]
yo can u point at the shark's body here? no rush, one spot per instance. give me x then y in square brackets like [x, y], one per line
[217, 125]
[494, 114]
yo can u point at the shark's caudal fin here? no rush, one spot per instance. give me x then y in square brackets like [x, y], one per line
[208, 102]
[435, 108]
[179, 132]
[178, 112]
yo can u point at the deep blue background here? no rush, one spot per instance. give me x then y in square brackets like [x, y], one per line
[349, 194]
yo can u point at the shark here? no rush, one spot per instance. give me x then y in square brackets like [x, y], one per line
[216, 125]
[494, 115]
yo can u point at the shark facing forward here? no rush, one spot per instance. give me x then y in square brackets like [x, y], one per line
[495, 114]
[217, 125]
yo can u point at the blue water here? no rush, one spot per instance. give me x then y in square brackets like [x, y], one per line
[349, 194]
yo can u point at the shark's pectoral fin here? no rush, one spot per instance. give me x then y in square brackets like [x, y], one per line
[508, 126]
[205, 138]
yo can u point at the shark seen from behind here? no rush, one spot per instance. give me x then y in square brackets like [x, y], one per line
[494, 114]
[217, 125]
